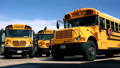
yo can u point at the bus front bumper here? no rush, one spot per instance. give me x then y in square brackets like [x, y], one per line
[18, 51]
[68, 49]
[43, 50]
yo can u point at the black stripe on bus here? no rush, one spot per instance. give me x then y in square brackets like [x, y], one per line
[115, 36]
[113, 39]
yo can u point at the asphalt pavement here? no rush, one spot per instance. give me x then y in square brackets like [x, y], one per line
[68, 62]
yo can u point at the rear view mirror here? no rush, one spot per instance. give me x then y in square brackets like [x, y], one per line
[58, 23]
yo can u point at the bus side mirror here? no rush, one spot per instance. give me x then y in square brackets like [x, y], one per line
[58, 26]
[58, 23]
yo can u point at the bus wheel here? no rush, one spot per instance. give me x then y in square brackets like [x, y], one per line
[57, 56]
[89, 50]
[24, 55]
[33, 52]
[31, 55]
[2, 49]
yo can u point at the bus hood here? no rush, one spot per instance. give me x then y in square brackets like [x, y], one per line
[74, 34]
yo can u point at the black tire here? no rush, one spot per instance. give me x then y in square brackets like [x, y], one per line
[33, 52]
[38, 53]
[31, 56]
[2, 49]
[89, 50]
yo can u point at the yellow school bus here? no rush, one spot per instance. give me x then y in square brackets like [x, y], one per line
[87, 32]
[44, 37]
[18, 40]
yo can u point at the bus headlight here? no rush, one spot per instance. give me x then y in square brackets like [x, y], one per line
[30, 45]
[7, 46]
[77, 39]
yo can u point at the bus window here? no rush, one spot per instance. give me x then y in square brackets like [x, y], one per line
[112, 26]
[116, 27]
[84, 21]
[108, 24]
[67, 25]
[76, 23]
[102, 23]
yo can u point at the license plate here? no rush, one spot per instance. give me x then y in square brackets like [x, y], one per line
[19, 51]
[62, 46]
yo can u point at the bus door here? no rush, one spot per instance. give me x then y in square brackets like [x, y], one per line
[103, 33]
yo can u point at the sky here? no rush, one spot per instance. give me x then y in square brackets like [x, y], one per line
[41, 13]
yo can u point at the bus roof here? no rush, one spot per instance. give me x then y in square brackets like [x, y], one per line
[48, 31]
[18, 26]
[84, 12]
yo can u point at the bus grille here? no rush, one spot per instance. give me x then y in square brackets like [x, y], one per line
[64, 34]
[19, 43]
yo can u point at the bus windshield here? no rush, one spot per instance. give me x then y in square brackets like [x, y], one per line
[84, 21]
[19, 33]
[45, 36]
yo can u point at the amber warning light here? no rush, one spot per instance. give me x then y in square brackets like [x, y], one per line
[89, 12]
[78, 13]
